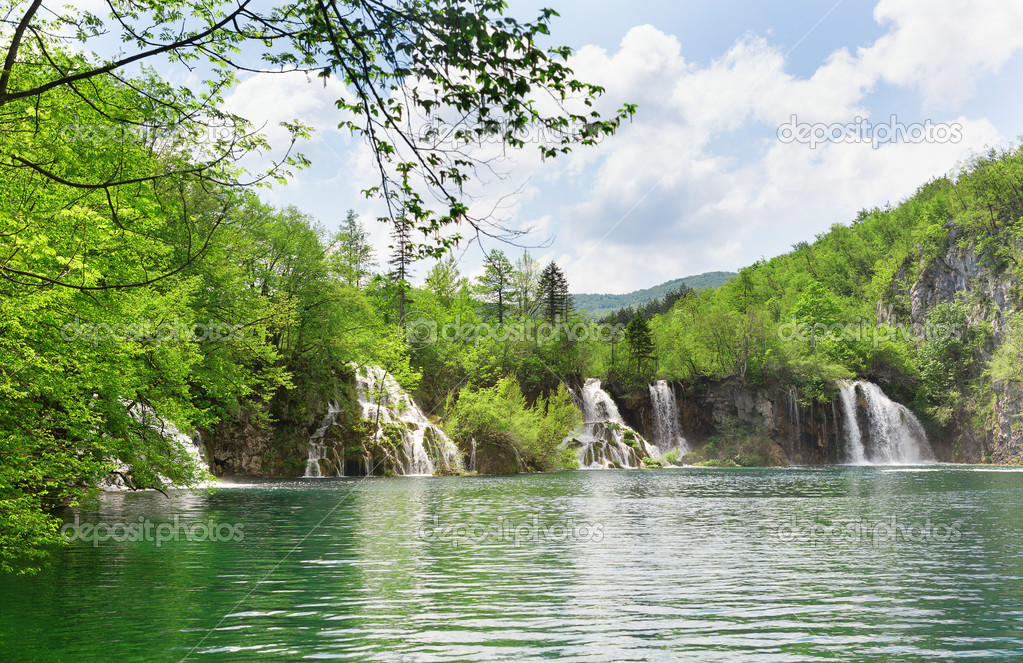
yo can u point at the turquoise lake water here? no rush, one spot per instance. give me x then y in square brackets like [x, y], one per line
[795, 564]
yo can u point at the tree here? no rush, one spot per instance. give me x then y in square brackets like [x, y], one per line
[817, 308]
[403, 60]
[525, 285]
[495, 286]
[402, 257]
[353, 255]
[445, 280]
[639, 340]
[124, 203]
[556, 301]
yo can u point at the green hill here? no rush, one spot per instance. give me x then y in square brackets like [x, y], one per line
[600, 305]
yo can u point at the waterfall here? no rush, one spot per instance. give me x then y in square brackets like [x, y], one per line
[854, 451]
[878, 430]
[192, 446]
[407, 441]
[667, 428]
[319, 453]
[795, 416]
[472, 457]
[834, 419]
[605, 440]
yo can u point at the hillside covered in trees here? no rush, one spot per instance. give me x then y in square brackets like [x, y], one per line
[599, 305]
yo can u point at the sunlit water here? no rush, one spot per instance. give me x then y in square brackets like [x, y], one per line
[693, 564]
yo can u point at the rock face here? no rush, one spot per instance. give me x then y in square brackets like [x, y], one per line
[806, 434]
[1006, 441]
[241, 446]
[990, 295]
[961, 273]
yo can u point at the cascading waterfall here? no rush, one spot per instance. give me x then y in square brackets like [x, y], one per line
[878, 430]
[605, 440]
[667, 427]
[192, 446]
[412, 445]
[318, 451]
[854, 451]
[795, 416]
[834, 419]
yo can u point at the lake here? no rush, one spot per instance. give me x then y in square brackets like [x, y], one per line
[793, 564]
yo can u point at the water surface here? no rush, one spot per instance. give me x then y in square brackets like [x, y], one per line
[799, 564]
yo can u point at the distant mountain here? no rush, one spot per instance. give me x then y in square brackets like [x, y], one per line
[600, 305]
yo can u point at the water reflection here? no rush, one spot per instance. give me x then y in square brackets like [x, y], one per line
[773, 564]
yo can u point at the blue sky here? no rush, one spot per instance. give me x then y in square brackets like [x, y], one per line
[700, 181]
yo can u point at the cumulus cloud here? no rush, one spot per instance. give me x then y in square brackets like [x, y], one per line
[699, 180]
[665, 201]
[941, 47]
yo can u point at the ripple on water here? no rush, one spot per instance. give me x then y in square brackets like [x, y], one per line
[802, 564]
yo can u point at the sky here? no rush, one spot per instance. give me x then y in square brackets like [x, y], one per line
[719, 167]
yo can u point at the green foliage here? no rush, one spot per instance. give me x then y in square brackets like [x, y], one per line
[639, 340]
[736, 444]
[500, 416]
[141, 282]
[945, 358]
[1007, 363]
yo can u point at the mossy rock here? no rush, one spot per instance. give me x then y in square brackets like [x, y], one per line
[449, 472]
[652, 463]
[717, 462]
[692, 458]
[742, 460]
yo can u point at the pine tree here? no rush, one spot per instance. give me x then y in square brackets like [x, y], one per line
[402, 257]
[639, 340]
[556, 301]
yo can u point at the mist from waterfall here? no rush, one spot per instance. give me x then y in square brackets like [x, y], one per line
[879, 431]
[667, 426]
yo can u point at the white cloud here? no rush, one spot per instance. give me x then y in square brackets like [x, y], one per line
[698, 180]
[941, 47]
[665, 201]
